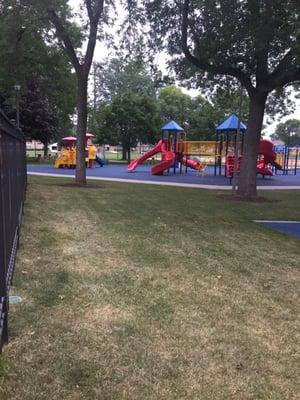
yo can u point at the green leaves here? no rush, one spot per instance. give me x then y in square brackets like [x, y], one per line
[248, 38]
[130, 118]
[125, 109]
[288, 132]
[38, 119]
[27, 50]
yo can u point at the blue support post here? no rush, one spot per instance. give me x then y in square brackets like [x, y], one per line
[296, 161]
[174, 144]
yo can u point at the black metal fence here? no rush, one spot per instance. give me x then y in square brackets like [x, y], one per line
[12, 194]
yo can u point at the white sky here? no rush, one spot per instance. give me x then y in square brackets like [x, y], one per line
[101, 52]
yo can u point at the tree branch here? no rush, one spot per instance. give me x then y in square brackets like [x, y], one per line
[287, 78]
[64, 37]
[93, 32]
[88, 4]
[99, 9]
[205, 64]
[261, 40]
[281, 72]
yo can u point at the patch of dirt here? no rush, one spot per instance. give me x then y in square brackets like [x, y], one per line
[236, 197]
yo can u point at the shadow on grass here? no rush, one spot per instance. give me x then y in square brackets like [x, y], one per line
[53, 289]
[76, 185]
[236, 197]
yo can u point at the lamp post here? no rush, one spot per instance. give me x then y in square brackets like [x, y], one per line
[17, 90]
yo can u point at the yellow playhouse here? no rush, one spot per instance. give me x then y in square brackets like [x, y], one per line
[67, 155]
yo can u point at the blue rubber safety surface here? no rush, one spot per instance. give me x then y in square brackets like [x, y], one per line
[291, 229]
[143, 172]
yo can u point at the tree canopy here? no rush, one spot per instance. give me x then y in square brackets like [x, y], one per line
[115, 79]
[288, 132]
[120, 75]
[125, 108]
[130, 118]
[39, 121]
[196, 115]
[27, 52]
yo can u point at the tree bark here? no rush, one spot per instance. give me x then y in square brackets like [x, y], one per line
[247, 179]
[129, 155]
[45, 149]
[82, 82]
[124, 153]
[94, 10]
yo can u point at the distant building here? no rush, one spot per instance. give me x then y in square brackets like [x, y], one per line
[34, 145]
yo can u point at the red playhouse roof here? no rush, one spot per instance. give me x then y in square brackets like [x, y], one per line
[69, 139]
[89, 135]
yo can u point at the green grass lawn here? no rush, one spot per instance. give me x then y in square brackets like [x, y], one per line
[34, 153]
[147, 292]
[117, 156]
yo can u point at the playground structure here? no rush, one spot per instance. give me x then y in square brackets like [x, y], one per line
[271, 159]
[227, 135]
[173, 147]
[266, 162]
[266, 159]
[288, 158]
[179, 154]
[67, 155]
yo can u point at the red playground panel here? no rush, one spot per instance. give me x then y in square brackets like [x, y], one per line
[230, 165]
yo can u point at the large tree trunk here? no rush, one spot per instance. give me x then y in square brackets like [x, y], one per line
[124, 153]
[45, 149]
[80, 177]
[82, 67]
[129, 154]
[247, 179]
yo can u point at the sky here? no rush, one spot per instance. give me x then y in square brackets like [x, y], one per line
[101, 52]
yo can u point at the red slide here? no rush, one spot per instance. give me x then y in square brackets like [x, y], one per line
[192, 164]
[156, 149]
[168, 159]
[269, 156]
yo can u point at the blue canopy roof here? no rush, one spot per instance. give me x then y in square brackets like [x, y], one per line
[172, 126]
[231, 124]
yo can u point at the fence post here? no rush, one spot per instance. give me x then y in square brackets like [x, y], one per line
[3, 294]
[12, 191]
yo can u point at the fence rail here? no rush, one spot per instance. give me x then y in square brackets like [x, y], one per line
[12, 195]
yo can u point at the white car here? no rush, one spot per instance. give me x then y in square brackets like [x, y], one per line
[53, 148]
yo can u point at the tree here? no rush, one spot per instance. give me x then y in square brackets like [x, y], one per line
[175, 105]
[130, 118]
[254, 42]
[27, 52]
[38, 121]
[288, 132]
[196, 115]
[203, 119]
[82, 66]
[121, 74]
[226, 101]
[128, 84]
